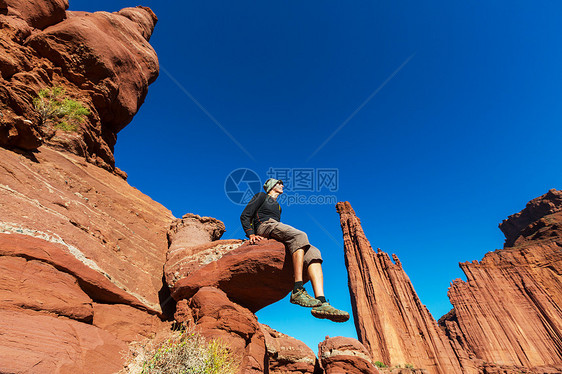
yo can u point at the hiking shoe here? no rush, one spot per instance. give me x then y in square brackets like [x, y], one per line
[302, 298]
[326, 311]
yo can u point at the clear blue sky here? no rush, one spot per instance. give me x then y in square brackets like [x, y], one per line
[447, 114]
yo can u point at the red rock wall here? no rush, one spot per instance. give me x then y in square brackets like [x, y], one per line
[103, 226]
[509, 311]
[391, 321]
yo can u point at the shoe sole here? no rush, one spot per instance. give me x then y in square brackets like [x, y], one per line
[331, 317]
[304, 305]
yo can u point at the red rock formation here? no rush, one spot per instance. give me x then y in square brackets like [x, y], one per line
[509, 311]
[40, 286]
[37, 13]
[216, 317]
[391, 321]
[536, 222]
[253, 276]
[107, 234]
[102, 59]
[127, 323]
[287, 355]
[507, 315]
[34, 342]
[192, 230]
[345, 355]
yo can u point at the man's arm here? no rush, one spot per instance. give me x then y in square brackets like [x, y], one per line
[249, 212]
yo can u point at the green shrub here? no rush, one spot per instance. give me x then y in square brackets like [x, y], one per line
[380, 364]
[58, 110]
[182, 353]
[409, 366]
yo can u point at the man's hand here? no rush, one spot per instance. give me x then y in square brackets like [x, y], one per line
[255, 238]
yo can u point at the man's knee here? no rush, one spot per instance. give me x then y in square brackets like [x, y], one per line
[312, 255]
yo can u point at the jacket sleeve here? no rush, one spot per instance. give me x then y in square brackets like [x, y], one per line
[247, 216]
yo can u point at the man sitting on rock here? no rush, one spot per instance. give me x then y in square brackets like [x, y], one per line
[261, 219]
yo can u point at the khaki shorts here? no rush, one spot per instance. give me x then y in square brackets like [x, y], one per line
[293, 239]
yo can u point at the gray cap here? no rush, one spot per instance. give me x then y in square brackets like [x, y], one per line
[270, 183]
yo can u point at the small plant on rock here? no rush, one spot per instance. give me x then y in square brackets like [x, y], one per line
[183, 352]
[380, 364]
[55, 108]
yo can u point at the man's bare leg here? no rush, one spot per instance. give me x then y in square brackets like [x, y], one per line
[298, 264]
[316, 278]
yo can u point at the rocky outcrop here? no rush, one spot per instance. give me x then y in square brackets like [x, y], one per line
[509, 310]
[536, 222]
[81, 251]
[287, 355]
[253, 276]
[345, 355]
[391, 321]
[102, 60]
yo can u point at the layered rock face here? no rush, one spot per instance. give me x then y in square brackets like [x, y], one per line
[391, 321]
[81, 257]
[509, 311]
[93, 225]
[102, 60]
[81, 251]
[507, 316]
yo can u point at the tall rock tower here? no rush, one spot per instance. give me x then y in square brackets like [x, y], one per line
[390, 319]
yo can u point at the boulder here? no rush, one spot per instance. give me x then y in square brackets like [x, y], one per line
[192, 230]
[107, 54]
[253, 276]
[341, 355]
[287, 355]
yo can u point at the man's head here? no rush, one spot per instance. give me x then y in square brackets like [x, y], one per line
[271, 183]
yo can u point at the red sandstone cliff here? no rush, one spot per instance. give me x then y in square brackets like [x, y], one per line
[507, 316]
[81, 251]
[509, 310]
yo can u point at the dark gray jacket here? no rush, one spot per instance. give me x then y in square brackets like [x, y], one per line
[261, 208]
